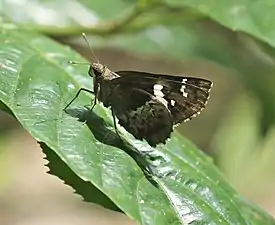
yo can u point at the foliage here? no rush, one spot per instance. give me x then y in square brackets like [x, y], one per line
[172, 184]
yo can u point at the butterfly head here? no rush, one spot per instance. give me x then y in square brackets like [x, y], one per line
[96, 69]
[101, 73]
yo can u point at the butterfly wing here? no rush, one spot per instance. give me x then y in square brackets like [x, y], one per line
[185, 97]
[201, 83]
[141, 114]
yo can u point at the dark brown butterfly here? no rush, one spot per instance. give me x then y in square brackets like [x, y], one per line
[148, 105]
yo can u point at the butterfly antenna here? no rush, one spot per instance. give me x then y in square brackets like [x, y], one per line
[77, 63]
[87, 42]
[94, 56]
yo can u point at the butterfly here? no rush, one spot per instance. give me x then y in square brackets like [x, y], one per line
[148, 105]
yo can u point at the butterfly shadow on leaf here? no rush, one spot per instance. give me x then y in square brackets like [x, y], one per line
[102, 132]
[98, 127]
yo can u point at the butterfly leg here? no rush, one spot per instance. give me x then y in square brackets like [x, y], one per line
[114, 119]
[76, 96]
[95, 102]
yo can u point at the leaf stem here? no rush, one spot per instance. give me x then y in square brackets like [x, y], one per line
[144, 14]
[103, 28]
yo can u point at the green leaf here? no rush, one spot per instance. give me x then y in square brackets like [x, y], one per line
[84, 188]
[242, 15]
[74, 13]
[182, 184]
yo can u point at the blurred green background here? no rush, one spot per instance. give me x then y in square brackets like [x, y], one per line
[229, 42]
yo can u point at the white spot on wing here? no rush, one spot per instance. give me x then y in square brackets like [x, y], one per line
[159, 94]
[158, 87]
[157, 90]
[182, 89]
[173, 102]
[184, 80]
